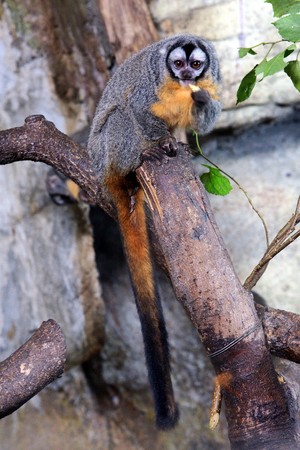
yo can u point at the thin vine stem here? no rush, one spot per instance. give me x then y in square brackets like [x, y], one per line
[269, 51]
[270, 43]
[238, 185]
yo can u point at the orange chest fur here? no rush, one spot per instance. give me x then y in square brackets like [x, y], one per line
[174, 105]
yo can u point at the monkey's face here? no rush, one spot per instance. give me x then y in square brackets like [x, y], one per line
[187, 63]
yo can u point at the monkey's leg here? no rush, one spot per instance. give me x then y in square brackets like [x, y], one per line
[132, 221]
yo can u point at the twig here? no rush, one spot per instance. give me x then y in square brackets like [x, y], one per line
[238, 185]
[283, 238]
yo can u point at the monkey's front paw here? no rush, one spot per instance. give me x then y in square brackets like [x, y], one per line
[169, 146]
[152, 154]
[166, 146]
[200, 97]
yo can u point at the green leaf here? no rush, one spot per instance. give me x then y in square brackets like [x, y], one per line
[289, 27]
[281, 7]
[274, 64]
[289, 50]
[243, 51]
[246, 86]
[293, 71]
[215, 182]
[295, 9]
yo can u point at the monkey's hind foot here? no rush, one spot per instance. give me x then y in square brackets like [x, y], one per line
[169, 146]
[165, 147]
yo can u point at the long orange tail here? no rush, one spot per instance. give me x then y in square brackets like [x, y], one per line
[133, 226]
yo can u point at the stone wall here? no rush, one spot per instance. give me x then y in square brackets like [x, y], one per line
[38, 238]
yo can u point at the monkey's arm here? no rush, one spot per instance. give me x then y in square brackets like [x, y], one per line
[153, 128]
[205, 110]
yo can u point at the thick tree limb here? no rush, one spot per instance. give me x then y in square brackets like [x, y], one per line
[72, 36]
[202, 275]
[129, 25]
[220, 308]
[32, 367]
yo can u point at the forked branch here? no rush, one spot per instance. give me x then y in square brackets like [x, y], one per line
[283, 238]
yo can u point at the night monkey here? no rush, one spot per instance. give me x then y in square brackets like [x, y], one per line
[171, 83]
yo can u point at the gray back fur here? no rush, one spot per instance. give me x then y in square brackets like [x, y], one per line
[123, 125]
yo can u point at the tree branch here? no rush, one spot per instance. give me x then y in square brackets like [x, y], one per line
[283, 238]
[32, 367]
[39, 140]
[223, 312]
[202, 275]
[282, 332]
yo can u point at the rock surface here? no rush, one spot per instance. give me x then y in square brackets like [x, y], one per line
[48, 268]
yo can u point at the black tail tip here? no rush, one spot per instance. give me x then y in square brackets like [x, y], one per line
[168, 420]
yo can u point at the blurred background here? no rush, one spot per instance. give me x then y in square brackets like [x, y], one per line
[66, 263]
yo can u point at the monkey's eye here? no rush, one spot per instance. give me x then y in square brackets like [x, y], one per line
[178, 64]
[196, 64]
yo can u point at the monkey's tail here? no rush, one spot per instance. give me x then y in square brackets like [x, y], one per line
[133, 226]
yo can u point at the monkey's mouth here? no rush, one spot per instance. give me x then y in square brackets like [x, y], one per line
[186, 82]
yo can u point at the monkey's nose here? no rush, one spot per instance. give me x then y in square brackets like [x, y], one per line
[186, 75]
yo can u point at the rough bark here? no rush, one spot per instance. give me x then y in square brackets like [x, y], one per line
[202, 275]
[82, 41]
[129, 26]
[72, 35]
[39, 140]
[288, 326]
[32, 367]
[221, 309]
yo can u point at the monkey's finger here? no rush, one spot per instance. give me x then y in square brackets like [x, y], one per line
[169, 145]
[153, 154]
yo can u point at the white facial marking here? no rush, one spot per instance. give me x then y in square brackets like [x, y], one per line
[198, 55]
[177, 53]
[187, 68]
